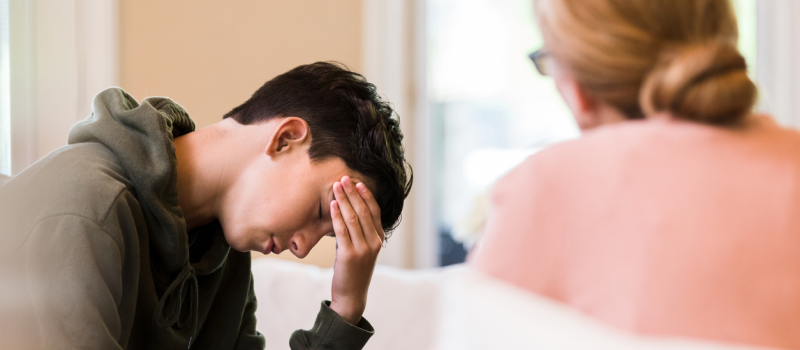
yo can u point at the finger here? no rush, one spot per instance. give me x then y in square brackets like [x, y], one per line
[368, 228]
[350, 217]
[340, 228]
[374, 208]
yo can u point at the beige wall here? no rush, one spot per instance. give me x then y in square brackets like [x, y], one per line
[210, 55]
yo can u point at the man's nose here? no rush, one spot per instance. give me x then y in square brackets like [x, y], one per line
[300, 244]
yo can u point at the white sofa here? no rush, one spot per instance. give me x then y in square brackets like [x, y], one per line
[452, 308]
[401, 306]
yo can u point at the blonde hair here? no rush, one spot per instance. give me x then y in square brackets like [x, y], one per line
[651, 56]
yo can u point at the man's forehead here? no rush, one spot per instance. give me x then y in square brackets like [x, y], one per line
[335, 169]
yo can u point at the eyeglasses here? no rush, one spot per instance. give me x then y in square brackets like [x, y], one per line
[539, 58]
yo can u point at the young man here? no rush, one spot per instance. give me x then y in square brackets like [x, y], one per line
[137, 234]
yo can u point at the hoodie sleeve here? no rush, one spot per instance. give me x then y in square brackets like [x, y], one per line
[332, 332]
[73, 268]
[249, 337]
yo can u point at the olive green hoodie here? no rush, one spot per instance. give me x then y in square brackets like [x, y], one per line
[94, 252]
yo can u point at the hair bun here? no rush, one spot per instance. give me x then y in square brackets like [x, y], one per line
[705, 82]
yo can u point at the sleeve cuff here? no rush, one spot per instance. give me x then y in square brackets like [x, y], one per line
[331, 331]
[363, 325]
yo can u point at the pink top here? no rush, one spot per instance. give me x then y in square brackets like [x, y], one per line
[662, 227]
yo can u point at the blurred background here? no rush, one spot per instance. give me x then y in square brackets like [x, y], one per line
[470, 102]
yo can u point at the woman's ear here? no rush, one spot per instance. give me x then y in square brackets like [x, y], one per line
[291, 132]
[584, 107]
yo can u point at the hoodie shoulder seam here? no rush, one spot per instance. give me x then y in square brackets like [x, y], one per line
[98, 220]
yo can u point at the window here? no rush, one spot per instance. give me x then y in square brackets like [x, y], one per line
[5, 98]
[746, 14]
[490, 109]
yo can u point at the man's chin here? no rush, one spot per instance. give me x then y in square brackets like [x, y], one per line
[244, 248]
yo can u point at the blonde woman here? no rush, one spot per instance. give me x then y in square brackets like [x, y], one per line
[678, 211]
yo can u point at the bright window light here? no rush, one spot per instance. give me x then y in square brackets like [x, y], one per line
[490, 108]
[746, 16]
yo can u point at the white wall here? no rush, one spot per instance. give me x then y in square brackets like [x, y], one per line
[62, 53]
[5, 111]
[778, 64]
[394, 56]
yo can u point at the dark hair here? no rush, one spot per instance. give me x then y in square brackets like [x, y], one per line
[348, 120]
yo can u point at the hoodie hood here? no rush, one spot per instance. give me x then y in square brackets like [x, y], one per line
[141, 136]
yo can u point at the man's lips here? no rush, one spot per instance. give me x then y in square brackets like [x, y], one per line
[272, 247]
[275, 249]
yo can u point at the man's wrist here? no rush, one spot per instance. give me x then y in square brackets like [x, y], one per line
[350, 314]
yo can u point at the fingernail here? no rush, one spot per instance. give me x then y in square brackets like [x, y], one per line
[360, 186]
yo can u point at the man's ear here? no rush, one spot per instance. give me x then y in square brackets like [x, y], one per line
[290, 133]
